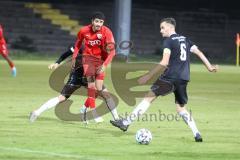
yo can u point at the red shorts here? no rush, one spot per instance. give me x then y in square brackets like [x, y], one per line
[3, 50]
[91, 65]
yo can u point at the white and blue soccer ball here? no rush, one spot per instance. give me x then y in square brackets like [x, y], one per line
[143, 136]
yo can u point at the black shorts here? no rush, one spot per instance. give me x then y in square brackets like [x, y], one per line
[75, 81]
[163, 86]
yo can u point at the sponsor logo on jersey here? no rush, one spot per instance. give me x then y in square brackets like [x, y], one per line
[94, 42]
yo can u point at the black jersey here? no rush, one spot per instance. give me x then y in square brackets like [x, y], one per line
[179, 62]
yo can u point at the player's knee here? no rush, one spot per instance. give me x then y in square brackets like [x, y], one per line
[99, 88]
[62, 98]
[104, 93]
[180, 108]
[90, 79]
[150, 97]
[99, 85]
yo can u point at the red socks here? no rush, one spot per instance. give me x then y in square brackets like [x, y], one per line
[90, 102]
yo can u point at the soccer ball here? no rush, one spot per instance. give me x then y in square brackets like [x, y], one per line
[143, 136]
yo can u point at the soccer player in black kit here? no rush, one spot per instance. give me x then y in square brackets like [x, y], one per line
[75, 81]
[176, 61]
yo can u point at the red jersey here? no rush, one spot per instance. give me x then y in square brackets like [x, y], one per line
[2, 40]
[95, 43]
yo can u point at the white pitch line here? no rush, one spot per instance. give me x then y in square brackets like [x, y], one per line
[23, 150]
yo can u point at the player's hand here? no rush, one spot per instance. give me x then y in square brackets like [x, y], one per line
[101, 69]
[53, 66]
[213, 68]
[144, 79]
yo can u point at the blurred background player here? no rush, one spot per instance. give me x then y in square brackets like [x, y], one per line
[176, 63]
[97, 54]
[4, 52]
[75, 81]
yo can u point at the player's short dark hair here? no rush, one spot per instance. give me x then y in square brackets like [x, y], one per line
[169, 20]
[98, 15]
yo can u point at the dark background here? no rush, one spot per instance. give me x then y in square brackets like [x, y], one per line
[211, 24]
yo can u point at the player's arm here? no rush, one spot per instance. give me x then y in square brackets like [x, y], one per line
[63, 56]
[211, 68]
[159, 67]
[110, 49]
[163, 63]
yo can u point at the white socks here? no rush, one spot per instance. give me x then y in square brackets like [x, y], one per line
[49, 104]
[188, 119]
[112, 107]
[96, 117]
[139, 110]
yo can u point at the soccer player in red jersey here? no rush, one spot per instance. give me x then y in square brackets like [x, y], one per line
[75, 81]
[98, 40]
[4, 52]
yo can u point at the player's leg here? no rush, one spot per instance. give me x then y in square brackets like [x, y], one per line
[90, 101]
[50, 104]
[160, 87]
[188, 119]
[46, 106]
[98, 91]
[66, 92]
[4, 53]
[88, 106]
[91, 94]
[91, 66]
[89, 73]
[140, 109]
[181, 99]
[109, 102]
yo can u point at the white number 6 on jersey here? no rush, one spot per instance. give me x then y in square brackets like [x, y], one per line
[183, 55]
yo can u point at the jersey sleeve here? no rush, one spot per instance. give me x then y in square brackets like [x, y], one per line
[192, 45]
[167, 43]
[109, 47]
[78, 43]
[65, 55]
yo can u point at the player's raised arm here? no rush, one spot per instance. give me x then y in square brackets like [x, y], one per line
[209, 66]
[63, 56]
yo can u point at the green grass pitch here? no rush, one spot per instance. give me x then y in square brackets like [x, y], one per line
[214, 100]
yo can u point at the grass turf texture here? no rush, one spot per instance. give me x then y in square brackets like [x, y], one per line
[213, 100]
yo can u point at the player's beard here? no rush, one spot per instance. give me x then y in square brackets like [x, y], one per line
[97, 28]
